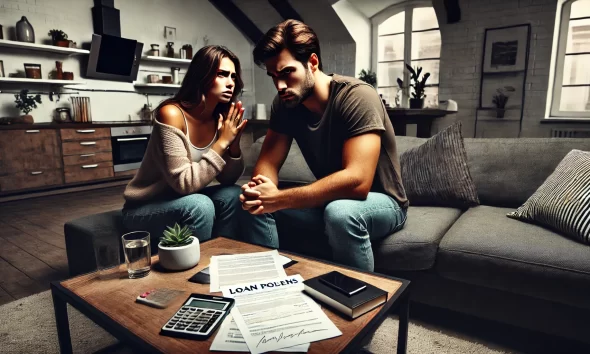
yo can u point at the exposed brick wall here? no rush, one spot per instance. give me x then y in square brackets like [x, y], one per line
[462, 50]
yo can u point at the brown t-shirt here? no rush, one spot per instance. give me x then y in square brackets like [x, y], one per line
[354, 108]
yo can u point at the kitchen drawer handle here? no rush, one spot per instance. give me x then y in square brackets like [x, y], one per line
[90, 166]
[87, 155]
[132, 139]
[32, 131]
[86, 131]
[34, 173]
[88, 143]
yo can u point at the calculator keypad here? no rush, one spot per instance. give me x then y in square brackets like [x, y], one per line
[193, 320]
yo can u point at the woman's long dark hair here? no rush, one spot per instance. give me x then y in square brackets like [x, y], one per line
[199, 79]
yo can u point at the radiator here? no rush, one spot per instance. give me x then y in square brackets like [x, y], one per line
[570, 133]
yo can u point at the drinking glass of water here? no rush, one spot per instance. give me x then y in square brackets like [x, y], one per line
[137, 253]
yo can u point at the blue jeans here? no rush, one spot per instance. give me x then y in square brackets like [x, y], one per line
[349, 225]
[210, 212]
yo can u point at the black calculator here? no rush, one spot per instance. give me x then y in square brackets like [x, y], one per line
[198, 317]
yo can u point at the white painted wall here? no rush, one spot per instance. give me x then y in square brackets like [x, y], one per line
[141, 20]
[359, 27]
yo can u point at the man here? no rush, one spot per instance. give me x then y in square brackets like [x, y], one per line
[346, 138]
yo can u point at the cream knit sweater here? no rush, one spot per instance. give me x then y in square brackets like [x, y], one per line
[167, 169]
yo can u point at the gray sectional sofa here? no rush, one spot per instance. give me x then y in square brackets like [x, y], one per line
[475, 261]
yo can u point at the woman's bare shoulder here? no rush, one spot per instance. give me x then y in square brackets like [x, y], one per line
[171, 115]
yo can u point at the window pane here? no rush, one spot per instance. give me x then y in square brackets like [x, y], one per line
[391, 47]
[424, 18]
[426, 45]
[389, 94]
[580, 8]
[387, 73]
[431, 99]
[575, 99]
[578, 36]
[394, 24]
[428, 66]
[576, 70]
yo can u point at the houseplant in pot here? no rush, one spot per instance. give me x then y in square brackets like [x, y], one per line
[178, 248]
[26, 103]
[59, 38]
[417, 100]
[500, 99]
[369, 77]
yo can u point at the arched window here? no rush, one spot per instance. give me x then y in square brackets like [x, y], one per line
[407, 34]
[569, 94]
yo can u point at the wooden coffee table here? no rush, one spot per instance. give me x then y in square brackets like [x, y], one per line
[111, 303]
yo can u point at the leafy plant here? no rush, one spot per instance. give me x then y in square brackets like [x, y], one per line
[176, 236]
[25, 102]
[418, 84]
[369, 77]
[501, 97]
[57, 35]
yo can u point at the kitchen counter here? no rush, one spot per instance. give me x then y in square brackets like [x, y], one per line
[54, 125]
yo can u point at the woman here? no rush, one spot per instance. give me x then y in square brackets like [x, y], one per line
[195, 139]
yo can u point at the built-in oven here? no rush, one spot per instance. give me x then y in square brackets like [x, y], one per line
[129, 145]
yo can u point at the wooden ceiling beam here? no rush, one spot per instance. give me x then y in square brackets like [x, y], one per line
[285, 9]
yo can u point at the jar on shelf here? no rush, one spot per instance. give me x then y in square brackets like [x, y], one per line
[155, 50]
[32, 71]
[170, 52]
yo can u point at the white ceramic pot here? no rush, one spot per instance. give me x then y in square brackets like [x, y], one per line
[180, 258]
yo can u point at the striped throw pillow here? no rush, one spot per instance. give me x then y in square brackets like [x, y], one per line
[436, 172]
[562, 202]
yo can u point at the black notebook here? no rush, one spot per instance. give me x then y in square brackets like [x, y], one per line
[351, 306]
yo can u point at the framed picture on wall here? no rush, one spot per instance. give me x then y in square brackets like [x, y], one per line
[506, 49]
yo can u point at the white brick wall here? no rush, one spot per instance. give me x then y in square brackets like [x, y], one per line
[143, 20]
[462, 50]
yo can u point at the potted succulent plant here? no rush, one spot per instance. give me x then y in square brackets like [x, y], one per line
[59, 38]
[178, 248]
[500, 99]
[417, 100]
[26, 103]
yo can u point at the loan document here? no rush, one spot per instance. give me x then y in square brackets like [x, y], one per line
[244, 268]
[276, 314]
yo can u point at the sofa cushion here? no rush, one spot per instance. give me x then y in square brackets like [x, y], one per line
[562, 203]
[414, 247]
[436, 172]
[294, 168]
[82, 233]
[506, 172]
[486, 248]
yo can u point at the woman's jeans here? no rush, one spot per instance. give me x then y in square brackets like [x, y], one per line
[210, 212]
[350, 225]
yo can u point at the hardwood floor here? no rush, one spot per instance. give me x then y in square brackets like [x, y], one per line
[32, 243]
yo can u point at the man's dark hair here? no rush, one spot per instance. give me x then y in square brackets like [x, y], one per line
[293, 35]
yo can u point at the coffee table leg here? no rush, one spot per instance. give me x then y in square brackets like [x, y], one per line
[62, 323]
[402, 335]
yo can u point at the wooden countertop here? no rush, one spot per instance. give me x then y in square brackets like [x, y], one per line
[85, 125]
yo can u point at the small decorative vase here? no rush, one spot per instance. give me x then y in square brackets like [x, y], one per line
[170, 53]
[59, 71]
[24, 31]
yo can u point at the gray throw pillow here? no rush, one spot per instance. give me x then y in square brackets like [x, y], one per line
[562, 202]
[436, 172]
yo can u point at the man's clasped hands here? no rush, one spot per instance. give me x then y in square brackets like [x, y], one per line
[260, 196]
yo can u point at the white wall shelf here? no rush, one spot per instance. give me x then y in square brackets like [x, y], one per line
[166, 60]
[139, 84]
[40, 81]
[43, 47]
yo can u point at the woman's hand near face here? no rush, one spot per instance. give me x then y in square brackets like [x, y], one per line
[229, 128]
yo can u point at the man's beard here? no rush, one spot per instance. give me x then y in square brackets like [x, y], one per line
[306, 91]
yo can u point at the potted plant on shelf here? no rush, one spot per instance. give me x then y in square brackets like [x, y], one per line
[369, 77]
[417, 100]
[178, 248]
[26, 103]
[59, 38]
[500, 99]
